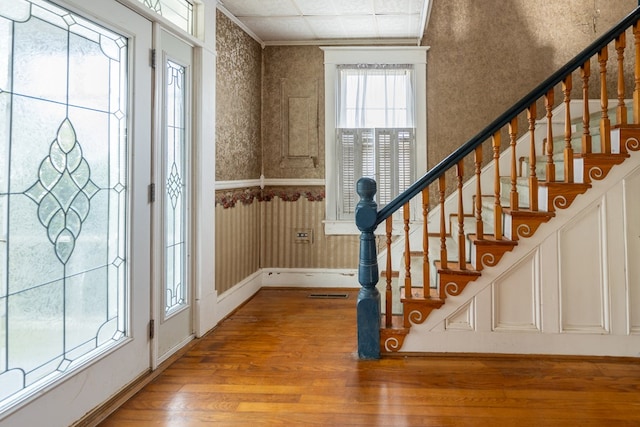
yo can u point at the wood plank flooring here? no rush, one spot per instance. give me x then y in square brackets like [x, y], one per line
[285, 359]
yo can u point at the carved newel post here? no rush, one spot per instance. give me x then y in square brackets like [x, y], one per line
[368, 307]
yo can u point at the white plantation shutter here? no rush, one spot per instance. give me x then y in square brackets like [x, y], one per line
[347, 154]
[385, 167]
[405, 145]
[383, 154]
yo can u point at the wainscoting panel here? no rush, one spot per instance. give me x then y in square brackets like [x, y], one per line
[632, 234]
[237, 244]
[464, 319]
[516, 298]
[583, 283]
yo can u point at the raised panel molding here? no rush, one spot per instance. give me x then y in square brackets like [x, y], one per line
[463, 319]
[299, 106]
[516, 298]
[584, 286]
[632, 246]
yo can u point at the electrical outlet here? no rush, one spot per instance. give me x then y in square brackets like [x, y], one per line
[303, 235]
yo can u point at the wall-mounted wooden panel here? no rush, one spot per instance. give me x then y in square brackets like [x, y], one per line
[516, 298]
[299, 105]
[632, 234]
[583, 284]
[462, 320]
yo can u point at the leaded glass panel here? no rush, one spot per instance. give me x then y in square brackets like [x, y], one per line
[175, 200]
[179, 12]
[63, 193]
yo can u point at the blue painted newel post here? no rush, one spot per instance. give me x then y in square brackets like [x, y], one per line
[368, 308]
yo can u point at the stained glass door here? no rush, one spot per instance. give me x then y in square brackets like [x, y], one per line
[72, 211]
[172, 212]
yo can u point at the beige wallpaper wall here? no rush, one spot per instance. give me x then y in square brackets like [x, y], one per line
[238, 103]
[238, 152]
[237, 243]
[281, 220]
[292, 72]
[485, 55]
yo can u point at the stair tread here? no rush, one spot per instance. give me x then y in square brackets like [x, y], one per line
[489, 239]
[397, 324]
[601, 156]
[417, 293]
[453, 267]
[528, 212]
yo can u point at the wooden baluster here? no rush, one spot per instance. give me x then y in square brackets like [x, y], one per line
[533, 179]
[636, 88]
[621, 111]
[479, 223]
[605, 123]
[407, 253]
[550, 167]
[497, 210]
[568, 149]
[426, 276]
[585, 72]
[513, 195]
[462, 252]
[388, 300]
[443, 229]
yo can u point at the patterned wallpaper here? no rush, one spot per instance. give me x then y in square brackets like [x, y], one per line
[238, 103]
[291, 71]
[484, 57]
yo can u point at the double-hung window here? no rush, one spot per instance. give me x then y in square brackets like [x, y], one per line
[375, 132]
[375, 125]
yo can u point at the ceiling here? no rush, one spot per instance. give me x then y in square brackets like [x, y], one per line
[280, 22]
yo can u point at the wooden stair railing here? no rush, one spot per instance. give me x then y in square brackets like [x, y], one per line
[511, 218]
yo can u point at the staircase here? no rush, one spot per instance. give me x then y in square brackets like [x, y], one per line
[465, 236]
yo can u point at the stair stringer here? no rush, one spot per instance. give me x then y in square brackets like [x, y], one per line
[467, 322]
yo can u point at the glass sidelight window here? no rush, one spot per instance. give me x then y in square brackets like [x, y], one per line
[64, 193]
[175, 185]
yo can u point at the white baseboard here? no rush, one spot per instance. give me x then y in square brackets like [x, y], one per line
[310, 278]
[237, 295]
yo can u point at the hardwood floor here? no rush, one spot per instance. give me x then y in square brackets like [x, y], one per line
[285, 359]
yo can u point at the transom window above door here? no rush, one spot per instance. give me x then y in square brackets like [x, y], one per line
[178, 12]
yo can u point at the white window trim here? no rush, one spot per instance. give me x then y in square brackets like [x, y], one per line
[334, 55]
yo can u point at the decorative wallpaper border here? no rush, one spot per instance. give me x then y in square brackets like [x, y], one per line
[246, 196]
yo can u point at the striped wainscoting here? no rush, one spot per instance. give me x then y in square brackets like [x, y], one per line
[256, 229]
[281, 220]
[237, 243]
